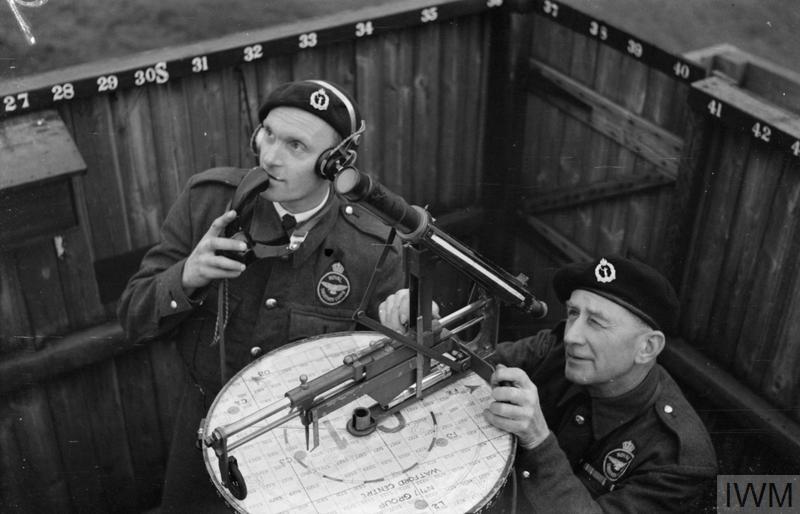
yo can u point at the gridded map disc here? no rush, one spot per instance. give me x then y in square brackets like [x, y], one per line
[436, 455]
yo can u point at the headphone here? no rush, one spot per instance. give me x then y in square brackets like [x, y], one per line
[331, 161]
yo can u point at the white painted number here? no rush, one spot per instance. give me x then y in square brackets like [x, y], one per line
[494, 3]
[364, 28]
[715, 108]
[107, 83]
[157, 74]
[551, 8]
[251, 53]
[63, 91]
[762, 132]
[12, 103]
[199, 64]
[681, 70]
[308, 40]
[634, 48]
[429, 14]
[796, 148]
[598, 30]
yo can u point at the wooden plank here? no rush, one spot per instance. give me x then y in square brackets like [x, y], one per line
[722, 184]
[571, 196]
[75, 439]
[36, 147]
[71, 353]
[772, 282]
[617, 122]
[142, 425]
[475, 98]
[38, 271]
[748, 226]
[40, 471]
[397, 138]
[78, 283]
[370, 69]
[15, 329]
[236, 134]
[104, 199]
[171, 142]
[109, 433]
[14, 495]
[780, 381]
[453, 134]
[426, 117]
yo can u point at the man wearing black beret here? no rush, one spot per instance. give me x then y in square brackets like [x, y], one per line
[250, 260]
[601, 426]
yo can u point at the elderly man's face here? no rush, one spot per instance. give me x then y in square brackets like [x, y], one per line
[601, 340]
[289, 145]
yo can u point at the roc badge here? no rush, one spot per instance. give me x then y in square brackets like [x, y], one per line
[334, 286]
[617, 461]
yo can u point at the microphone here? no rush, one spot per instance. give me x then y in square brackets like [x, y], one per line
[414, 224]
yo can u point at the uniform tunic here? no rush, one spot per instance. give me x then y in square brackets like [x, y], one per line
[274, 301]
[643, 451]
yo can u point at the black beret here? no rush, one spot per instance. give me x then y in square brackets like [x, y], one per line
[321, 98]
[635, 286]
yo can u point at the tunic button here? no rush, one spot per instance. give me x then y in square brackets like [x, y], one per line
[526, 474]
[668, 409]
[173, 304]
[579, 419]
[271, 303]
[255, 351]
[348, 209]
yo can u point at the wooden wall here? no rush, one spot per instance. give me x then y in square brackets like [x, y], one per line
[619, 155]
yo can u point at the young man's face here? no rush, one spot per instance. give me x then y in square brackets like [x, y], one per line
[289, 145]
[601, 341]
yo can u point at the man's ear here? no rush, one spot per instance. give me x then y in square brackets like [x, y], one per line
[650, 346]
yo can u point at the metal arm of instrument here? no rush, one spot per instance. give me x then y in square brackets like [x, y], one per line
[415, 225]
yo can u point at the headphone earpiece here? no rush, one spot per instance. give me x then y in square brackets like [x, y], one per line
[254, 141]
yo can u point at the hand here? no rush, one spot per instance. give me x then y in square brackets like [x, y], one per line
[393, 311]
[204, 265]
[516, 407]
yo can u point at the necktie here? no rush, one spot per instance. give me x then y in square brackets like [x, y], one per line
[288, 222]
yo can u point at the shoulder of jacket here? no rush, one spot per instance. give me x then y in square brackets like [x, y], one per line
[364, 221]
[222, 175]
[680, 418]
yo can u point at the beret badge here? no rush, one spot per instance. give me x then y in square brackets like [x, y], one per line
[319, 100]
[605, 272]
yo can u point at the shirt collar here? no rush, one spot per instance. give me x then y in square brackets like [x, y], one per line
[300, 217]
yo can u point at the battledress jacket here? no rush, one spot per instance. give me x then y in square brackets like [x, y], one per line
[274, 301]
[644, 451]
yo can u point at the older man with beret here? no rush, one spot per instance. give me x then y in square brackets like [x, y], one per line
[250, 260]
[601, 426]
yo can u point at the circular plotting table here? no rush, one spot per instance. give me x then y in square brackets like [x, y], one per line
[436, 455]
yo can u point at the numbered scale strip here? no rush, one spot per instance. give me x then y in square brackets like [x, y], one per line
[653, 56]
[785, 134]
[18, 102]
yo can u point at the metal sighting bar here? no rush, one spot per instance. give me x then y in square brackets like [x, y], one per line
[398, 369]
[414, 224]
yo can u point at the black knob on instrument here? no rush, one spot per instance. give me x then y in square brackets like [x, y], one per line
[361, 423]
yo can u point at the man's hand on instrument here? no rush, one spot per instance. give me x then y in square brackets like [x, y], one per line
[204, 265]
[516, 407]
[393, 311]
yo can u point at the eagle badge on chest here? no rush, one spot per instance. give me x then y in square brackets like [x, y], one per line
[334, 286]
[618, 460]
